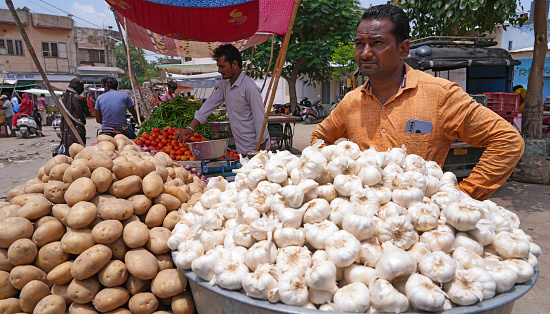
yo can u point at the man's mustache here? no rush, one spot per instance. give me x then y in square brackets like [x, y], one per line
[367, 60]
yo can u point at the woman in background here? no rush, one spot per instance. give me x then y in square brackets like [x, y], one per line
[77, 110]
[26, 107]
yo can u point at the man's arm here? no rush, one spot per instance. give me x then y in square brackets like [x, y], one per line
[478, 126]
[211, 104]
[133, 112]
[98, 117]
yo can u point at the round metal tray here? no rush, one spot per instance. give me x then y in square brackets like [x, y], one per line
[209, 150]
[213, 299]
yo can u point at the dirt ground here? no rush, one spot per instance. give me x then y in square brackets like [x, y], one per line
[20, 160]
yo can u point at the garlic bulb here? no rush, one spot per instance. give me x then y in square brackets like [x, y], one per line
[188, 251]
[242, 236]
[361, 227]
[262, 228]
[504, 277]
[370, 175]
[259, 200]
[261, 281]
[423, 294]
[438, 241]
[348, 149]
[462, 217]
[391, 209]
[339, 207]
[217, 183]
[397, 155]
[532, 260]
[345, 184]
[317, 234]
[289, 237]
[230, 274]
[294, 194]
[312, 162]
[432, 186]
[328, 151]
[463, 240]
[255, 176]
[236, 253]
[248, 214]
[229, 196]
[211, 220]
[354, 297]
[294, 258]
[414, 163]
[511, 217]
[371, 251]
[260, 253]
[226, 208]
[385, 298]
[383, 193]
[293, 288]
[448, 178]
[342, 248]
[438, 266]
[398, 230]
[210, 198]
[394, 263]
[502, 224]
[204, 266]
[509, 245]
[424, 216]
[418, 251]
[342, 164]
[433, 169]
[276, 171]
[316, 210]
[188, 219]
[242, 198]
[321, 276]
[484, 233]
[442, 199]
[371, 157]
[470, 286]
[327, 307]
[320, 296]
[407, 196]
[211, 239]
[179, 234]
[467, 258]
[357, 273]
[291, 217]
[534, 249]
[523, 269]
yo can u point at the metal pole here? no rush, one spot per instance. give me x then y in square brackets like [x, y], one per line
[282, 54]
[59, 104]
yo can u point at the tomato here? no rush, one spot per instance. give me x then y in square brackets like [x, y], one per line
[192, 158]
[192, 139]
[154, 143]
[164, 141]
[155, 130]
[181, 144]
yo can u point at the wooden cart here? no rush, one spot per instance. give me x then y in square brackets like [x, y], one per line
[280, 128]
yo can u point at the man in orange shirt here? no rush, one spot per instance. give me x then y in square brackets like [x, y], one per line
[399, 105]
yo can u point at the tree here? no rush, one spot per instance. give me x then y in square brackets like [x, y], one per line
[457, 17]
[344, 58]
[122, 63]
[319, 26]
[532, 113]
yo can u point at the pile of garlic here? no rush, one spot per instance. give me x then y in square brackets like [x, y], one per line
[340, 229]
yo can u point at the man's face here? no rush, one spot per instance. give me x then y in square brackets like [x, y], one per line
[226, 69]
[376, 50]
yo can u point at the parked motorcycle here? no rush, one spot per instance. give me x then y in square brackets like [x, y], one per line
[280, 109]
[313, 114]
[305, 102]
[28, 126]
[131, 121]
[56, 124]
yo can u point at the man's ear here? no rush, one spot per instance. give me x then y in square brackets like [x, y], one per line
[404, 48]
[235, 65]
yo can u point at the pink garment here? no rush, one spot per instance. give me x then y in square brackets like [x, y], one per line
[167, 96]
[41, 103]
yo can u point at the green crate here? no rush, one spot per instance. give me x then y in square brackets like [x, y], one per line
[480, 98]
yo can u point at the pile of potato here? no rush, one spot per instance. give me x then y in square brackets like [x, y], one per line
[89, 233]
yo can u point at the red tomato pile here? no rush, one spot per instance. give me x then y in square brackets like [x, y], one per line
[164, 141]
[231, 155]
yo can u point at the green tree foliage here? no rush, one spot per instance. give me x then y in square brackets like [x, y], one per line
[319, 27]
[458, 17]
[344, 58]
[122, 63]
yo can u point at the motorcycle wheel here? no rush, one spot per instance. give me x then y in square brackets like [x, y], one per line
[308, 120]
[26, 134]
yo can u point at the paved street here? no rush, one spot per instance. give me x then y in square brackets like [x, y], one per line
[20, 160]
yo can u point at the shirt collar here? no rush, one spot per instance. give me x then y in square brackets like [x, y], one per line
[239, 80]
[410, 80]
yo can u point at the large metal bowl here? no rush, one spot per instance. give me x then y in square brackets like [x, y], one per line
[213, 299]
[220, 126]
[209, 150]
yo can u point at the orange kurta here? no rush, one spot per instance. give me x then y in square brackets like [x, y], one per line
[361, 118]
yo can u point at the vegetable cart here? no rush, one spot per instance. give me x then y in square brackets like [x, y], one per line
[280, 128]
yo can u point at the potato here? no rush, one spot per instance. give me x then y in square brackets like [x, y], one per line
[42, 220]
[135, 234]
[143, 303]
[35, 208]
[9, 211]
[194, 199]
[176, 192]
[141, 203]
[45, 179]
[7, 290]
[102, 178]
[120, 310]
[105, 138]
[74, 172]
[76, 308]
[171, 220]
[51, 255]
[14, 228]
[91, 261]
[48, 232]
[126, 187]
[83, 291]
[82, 189]
[113, 274]
[194, 188]
[23, 198]
[61, 290]
[170, 202]
[86, 153]
[107, 231]
[59, 159]
[81, 215]
[155, 216]
[80, 162]
[51, 304]
[158, 238]
[135, 285]
[98, 200]
[119, 209]
[129, 220]
[61, 274]
[100, 159]
[164, 261]
[58, 171]
[22, 252]
[55, 192]
[152, 184]
[60, 211]
[146, 167]
[15, 192]
[141, 263]
[31, 294]
[10, 305]
[5, 264]
[106, 146]
[168, 283]
[126, 169]
[185, 188]
[183, 174]
[76, 241]
[109, 299]
[74, 149]
[183, 303]
[35, 188]
[118, 248]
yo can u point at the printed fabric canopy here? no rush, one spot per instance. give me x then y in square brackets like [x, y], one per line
[193, 28]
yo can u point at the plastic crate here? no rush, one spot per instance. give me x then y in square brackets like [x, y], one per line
[4, 130]
[480, 98]
[503, 103]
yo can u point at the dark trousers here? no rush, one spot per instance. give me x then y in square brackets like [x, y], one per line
[8, 121]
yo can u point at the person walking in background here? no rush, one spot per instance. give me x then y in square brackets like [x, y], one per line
[77, 110]
[90, 102]
[41, 104]
[14, 100]
[7, 108]
[172, 87]
[149, 100]
[111, 108]
[26, 107]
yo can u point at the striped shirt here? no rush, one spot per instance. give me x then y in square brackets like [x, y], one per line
[361, 118]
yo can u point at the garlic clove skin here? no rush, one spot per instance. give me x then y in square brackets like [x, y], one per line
[260, 253]
[345, 184]
[342, 248]
[259, 283]
[316, 211]
[463, 240]
[210, 198]
[293, 289]
[467, 258]
[204, 266]
[293, 258]
[407, 196]
[385, 298]
[188, 251]
[470, 286]
[229, 274]
[523, 269]
[317, 234]
[504, 277]
[357, 273]
[394, 263]
[321, 276]
[361, 227]
[289, 237]
[354, 297]
[397, 230]
[423, 294]
[508, 245]
[438, 266]
[371, 251]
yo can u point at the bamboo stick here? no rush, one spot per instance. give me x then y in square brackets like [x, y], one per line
[269, 64]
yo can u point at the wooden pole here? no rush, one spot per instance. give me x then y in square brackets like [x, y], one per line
[148, 77]
[269, 64]
[59, 104]
[249, 66]
[282, 58]
[272, 78]
[130, 67]
[162, 79]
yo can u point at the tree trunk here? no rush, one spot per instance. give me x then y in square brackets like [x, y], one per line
[532, 114]
[291, 80]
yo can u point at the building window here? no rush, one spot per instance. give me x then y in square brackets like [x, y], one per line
[97, 56]
[54, 50]
[325, 93]
[510, 44]
[11, 47]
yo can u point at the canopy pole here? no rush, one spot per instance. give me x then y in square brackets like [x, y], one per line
[249, 66]
[59, 103]
[148, 77]
[162, 79]
[269, 64]
[130, 68]
[272, 78]
[282, 58]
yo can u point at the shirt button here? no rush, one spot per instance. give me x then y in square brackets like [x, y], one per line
[383, 107]
[383, 131]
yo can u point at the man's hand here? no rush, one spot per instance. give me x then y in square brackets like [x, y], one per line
[184, 134]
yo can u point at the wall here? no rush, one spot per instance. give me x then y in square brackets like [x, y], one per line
[521, 73]
[96, 39]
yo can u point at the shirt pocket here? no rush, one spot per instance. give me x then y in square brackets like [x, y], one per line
[417, 143]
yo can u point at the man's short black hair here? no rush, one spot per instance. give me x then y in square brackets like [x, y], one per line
[516, 87]
[396, 15]
[173, 85]
[42, 95]
[110, 81]
[231, 54]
